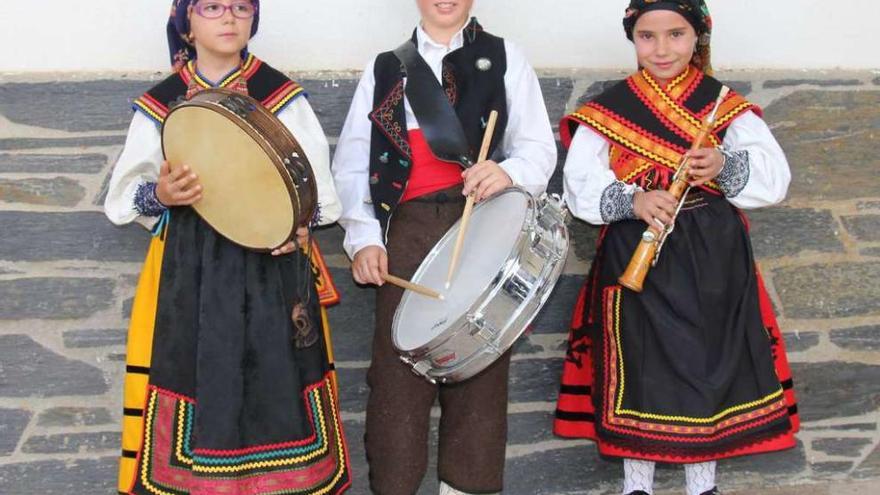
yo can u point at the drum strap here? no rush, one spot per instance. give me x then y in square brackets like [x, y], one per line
[437, 119]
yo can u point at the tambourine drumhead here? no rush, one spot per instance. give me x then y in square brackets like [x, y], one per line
[244, 196]
[495, 227]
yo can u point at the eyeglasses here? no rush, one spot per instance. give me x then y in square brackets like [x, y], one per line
[216, 10]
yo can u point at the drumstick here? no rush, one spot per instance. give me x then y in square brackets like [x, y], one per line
[406, 284]
[469, 204]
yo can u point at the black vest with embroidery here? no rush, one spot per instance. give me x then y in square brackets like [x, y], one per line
[473, 92]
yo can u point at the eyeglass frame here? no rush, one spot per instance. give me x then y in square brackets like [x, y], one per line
[226, 8]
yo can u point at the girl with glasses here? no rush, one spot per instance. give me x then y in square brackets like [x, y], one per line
[223, 393]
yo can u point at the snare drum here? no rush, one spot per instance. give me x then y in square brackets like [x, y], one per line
[513, 254]
[258, 186]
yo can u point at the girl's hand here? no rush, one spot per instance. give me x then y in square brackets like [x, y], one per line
[178, 187]
[302, 239]
[705, 165]
[655, 207]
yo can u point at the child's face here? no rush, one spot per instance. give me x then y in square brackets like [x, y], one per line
[224, 35]
[445, 14]
[665, 43]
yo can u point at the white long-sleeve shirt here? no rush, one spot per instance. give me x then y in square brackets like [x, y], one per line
[753, 156]
[528, 144]
[141, 159]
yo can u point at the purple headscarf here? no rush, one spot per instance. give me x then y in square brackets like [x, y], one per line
[179, 48]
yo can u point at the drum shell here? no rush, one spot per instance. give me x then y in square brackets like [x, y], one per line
[276, 141]
[500, 315]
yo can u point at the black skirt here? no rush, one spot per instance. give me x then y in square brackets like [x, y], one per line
[240, 399]
[685, 367]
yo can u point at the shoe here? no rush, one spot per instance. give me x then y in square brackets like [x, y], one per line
[638, 492]
[713, 491]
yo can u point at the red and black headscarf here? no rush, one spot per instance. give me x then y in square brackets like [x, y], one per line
[696, 12]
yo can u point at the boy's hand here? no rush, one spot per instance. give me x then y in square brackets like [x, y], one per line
[485, 179]
[369, 264]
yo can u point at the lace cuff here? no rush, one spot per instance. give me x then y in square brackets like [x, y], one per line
[735, 173]
[145, 201]
[617, 203]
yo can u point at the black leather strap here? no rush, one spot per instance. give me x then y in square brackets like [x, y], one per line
[437, 119]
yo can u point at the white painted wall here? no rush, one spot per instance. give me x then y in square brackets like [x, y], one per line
[71, 35]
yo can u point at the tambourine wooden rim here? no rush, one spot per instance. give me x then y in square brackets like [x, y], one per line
[273, 138]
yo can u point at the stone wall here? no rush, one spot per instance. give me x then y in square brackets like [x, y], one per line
[67, 278]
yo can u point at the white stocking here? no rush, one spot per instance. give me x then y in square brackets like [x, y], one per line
[638, 475]
[700, 477]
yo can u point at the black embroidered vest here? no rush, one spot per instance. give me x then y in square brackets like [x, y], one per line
[473, 91]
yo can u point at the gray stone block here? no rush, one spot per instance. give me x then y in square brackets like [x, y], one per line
[126, 307]
[865, 228]
[47, 164]
[353, 389]
[59, 191]
[742, 87]
[829, 291]
[54, 298]
[530, 428]
[835, 389]
[584, 237]
[330, 240]
[352, 321]
[846, 427]
[831, 468]
[534, 380]
[823, 135]
[69, 236]
[72, 443]
[778, 232]
[773, 466]
[75, 106]
[595, 89]
[571, 470]
[841, 447]
[783, 83]
[873, 252]
[857, 339]
[800, 341]
[79, 339]
[74, 417]
[554, 186]
[31, 370]
[8, 144]
[330, 100]
[524, 346]
[101, 197]
[869, 467]
[92, 476]
[12, 425]
[555, 316]
[556, 91]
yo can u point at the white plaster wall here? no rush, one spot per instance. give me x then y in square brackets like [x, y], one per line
[129, 35]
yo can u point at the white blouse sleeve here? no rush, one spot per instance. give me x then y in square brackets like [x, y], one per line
[300, 119]
[591, 190]
[351, 171]
[756, 172]
[138, 165]
[528, 146]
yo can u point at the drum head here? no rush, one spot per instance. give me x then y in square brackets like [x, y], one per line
[495, 228]
[244, 197]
